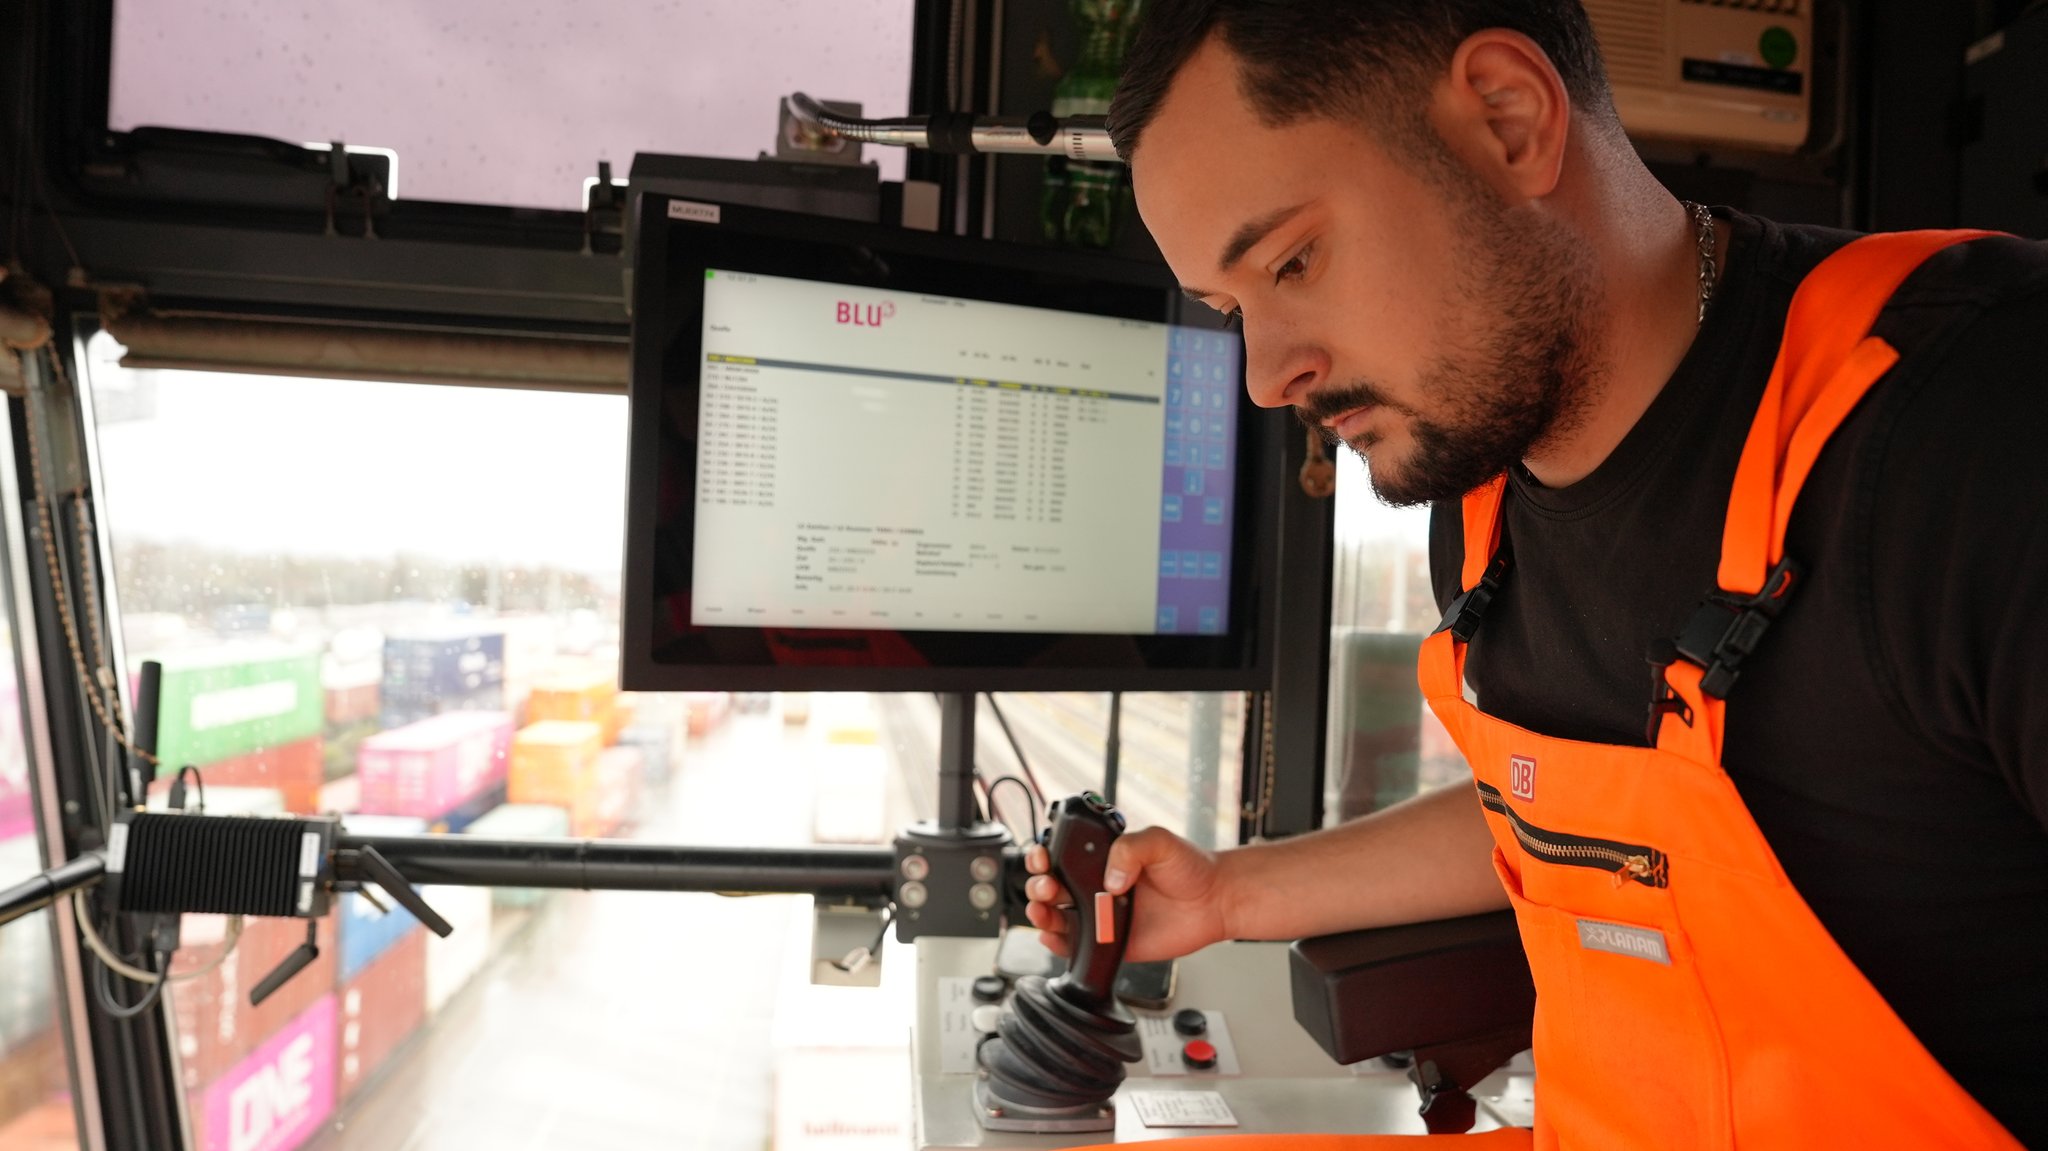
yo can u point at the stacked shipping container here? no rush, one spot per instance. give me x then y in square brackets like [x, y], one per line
[433, 766]
[447, 758]
[247, 716]
[454, 668]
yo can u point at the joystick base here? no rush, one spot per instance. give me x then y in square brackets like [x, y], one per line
[998, 1115]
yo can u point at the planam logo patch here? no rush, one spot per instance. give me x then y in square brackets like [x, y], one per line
[1621, 939]
[1522, 777]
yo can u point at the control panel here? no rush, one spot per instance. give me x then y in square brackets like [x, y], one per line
[950, 882]
[1222, 1056]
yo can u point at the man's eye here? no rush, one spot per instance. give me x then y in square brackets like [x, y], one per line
[1294, 269]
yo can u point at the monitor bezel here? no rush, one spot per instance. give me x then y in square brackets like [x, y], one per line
[1261, 447]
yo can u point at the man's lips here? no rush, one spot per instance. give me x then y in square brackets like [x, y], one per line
[1348, 426]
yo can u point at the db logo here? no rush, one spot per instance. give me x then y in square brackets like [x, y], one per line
[865, 315]
[1522, 776]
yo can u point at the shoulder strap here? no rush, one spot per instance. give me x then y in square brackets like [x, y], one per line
[1826, 363]
[1482, 528]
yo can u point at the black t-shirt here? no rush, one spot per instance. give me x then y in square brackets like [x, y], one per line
[1891, 735]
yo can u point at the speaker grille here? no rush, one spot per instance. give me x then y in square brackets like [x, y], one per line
[1633, 36]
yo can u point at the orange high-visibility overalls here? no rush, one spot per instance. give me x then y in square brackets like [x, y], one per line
[1686, 995]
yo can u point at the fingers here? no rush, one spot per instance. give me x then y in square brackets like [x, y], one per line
[1044, 889]
[1051, 927]
[1037, 860]
[1131, 854]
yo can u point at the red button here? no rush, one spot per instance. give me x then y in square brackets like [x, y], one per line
[1199, 1054]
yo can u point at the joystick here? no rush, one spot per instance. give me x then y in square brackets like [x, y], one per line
[1059, 1052]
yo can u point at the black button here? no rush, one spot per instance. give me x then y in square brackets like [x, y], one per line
[1189, 1021]
[989, 989]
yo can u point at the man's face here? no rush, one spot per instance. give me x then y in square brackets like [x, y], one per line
[1397, 303]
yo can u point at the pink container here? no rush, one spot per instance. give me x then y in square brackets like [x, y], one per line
[280, 1095]
[17, 813]
[429, 768]
[17, 817]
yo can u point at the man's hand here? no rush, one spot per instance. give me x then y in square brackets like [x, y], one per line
[1179, 895]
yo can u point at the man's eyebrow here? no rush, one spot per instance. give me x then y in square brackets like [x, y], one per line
[1248, 237]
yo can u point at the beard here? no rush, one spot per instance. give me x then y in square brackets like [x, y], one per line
[1528, 380]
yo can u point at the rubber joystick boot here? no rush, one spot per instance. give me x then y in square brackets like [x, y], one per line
[1063, 1043]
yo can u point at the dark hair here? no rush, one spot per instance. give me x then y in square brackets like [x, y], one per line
[1302, 58]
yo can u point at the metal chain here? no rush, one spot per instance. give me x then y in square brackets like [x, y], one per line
[46, 519]
[1255, 816]
[1703, 222]
[88, 556]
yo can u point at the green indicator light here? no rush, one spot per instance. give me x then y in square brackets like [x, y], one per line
[708, 273]
[1779, 47]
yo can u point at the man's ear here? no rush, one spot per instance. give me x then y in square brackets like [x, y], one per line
[1502, 108]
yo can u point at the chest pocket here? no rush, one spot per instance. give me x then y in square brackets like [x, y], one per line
[1625, 1039]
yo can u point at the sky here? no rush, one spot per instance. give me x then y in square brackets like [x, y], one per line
[285, 465]
[507, 101]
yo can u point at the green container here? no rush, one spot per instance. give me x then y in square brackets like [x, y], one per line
[220, 705]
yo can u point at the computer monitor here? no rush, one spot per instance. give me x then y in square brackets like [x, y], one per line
[866, 458]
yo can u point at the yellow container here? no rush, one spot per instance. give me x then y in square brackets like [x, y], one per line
[551, 761]
[587, 695]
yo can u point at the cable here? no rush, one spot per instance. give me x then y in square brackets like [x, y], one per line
[860, 957]
[114, 962]
[993, 813]
[105, 992]
[177, 796]
[1017, 750]
[1028, 800]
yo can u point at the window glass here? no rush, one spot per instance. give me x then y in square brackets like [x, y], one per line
[492, 102]
[400, 603]
[36, 1112]
[1385, 745]
[1178, 761]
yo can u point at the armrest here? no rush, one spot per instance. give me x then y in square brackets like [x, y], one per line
[1455, 992]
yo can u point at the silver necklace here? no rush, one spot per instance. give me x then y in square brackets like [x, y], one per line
[1703, 220]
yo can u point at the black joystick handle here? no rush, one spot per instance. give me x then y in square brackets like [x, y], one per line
[1083, 828]
[1060, 1050]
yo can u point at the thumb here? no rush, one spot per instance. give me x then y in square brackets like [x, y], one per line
[1154, 848]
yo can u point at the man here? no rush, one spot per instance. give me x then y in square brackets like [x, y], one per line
[1444, 253]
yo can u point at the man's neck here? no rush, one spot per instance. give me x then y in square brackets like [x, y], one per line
[1647, 248]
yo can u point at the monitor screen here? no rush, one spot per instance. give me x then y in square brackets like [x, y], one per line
[870, 458]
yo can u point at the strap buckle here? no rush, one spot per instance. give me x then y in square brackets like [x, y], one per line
[1724, 631]
[1462, 618]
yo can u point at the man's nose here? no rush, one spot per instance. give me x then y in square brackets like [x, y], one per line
[1284, 376]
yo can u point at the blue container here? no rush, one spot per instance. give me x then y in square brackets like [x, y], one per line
[409, 707]
[460, 819]
[444, 663]
[367, 933]
[655, 742]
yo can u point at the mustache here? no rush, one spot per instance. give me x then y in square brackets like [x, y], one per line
[1326, 405]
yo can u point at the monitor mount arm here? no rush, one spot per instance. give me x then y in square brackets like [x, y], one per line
[965, 134]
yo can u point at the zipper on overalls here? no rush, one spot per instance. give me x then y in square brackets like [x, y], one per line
[1645, 865]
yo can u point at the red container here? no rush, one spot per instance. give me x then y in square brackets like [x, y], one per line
[380, 1008]
[707, 710]
[217, 1028]
[297, 770]
[354, 704]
